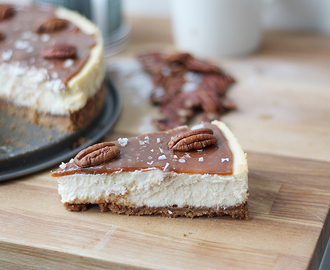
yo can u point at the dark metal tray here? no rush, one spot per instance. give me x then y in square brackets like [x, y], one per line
[26, 148]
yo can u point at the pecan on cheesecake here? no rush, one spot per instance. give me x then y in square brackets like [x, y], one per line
[51, 66]
[179, 172]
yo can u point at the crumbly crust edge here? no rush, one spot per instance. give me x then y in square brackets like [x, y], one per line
[238, 212]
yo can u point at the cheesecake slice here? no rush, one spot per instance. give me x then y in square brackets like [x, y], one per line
[200, 171]
[51, 66]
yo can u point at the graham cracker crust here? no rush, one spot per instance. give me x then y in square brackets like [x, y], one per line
[71, 122]
[238, 212]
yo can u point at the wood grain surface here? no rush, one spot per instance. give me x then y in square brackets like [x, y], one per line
[282, 121]
[289, 206]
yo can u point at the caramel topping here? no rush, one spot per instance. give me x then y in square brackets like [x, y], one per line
[151, 150]
[23, 45]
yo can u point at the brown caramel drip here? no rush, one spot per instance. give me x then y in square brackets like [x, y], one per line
[147, 151]
[26, 44]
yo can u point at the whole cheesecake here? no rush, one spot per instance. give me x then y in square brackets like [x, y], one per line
[179, 172]
[51, 66]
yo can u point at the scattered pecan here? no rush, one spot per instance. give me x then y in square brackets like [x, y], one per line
[153, 62]
[216, 83]
[201, 66]
[181, 108]
[194, 139]
[179, 93]
[2, 36]
[6, 11]
[60, 51]
[96, 154]
[51, 25]
[166, 88]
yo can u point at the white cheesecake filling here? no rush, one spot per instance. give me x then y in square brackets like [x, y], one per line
[155, 188]
[41, 90]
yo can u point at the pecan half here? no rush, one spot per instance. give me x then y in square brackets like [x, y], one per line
[180, 95]
[6, 11]
[96, 154]
[60, 51]
[194, 139]
[51, 25]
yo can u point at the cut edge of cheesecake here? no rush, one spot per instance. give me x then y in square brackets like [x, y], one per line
[171, 185]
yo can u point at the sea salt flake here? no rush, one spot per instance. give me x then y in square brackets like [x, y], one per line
[189, 87]
[158, 140]
[193, 77]
[6, 55]
[182, 160]
[162, 157]
[161, 150]
[199, 150]
[166, 166]
[175, 156]
[146, 141]
[224, 159]
[26, 35]
[201, 159]
[152, 150]
[29, 49]
[68, 63]
[123, 141]
[54, 75]
[45, 37]
[166, 71]
[71, 160]
[63, 166]
[187, 155]
[149, 162]
[170, 212]
[158, 92]
[197, 126]
[21, 44]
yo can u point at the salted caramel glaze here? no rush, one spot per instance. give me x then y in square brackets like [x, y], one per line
[152, 151]
[21, 43]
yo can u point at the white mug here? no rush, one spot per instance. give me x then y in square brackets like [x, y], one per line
[219, 28]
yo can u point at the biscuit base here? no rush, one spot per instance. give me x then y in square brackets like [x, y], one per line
[70, 123]
[238, 212]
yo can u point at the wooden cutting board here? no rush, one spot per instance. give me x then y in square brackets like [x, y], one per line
[289, 210]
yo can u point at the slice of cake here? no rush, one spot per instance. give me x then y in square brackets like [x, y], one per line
[51, 66]
[179, 172]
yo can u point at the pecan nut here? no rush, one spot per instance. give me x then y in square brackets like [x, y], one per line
[59, 51]
[96, 154]
[6, 11]
[51, 25]
[194, 139]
